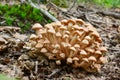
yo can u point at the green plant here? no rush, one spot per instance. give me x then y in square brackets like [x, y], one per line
[61, 3]
[5, 77]
[104, 3]
[22, 15]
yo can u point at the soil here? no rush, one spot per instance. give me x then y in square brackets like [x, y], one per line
[16, 61]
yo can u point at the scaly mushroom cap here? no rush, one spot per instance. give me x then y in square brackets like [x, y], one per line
[72, 41]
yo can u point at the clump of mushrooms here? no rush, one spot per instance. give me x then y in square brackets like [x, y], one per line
[73, 41]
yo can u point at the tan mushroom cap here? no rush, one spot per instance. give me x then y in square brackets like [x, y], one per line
[33, 36]
[88, 37]
[98, 52]
[58, 34]
[85, 42]
[51, 31]
[69, 60]
[43, 50]
[103, 60]
[83, 52]
[63, 28]
[62, 55]
[89, 50]
[92, 58]
[103, 49]
[57, 46]
[64, 22]
[71, 21]
[75, 59]
[46, 41]
[36, 26]
[85, 59]
[77, 46]
[39, 45]
[80, 21]
[58, 62]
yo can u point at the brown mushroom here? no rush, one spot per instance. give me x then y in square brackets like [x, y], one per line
[37, 27]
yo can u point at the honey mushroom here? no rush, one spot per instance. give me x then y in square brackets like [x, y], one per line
[72, 41]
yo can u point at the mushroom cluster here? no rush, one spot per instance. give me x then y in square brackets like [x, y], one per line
[73, 41]
[9, 41]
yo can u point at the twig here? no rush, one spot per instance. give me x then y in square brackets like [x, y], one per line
[46, 13]
[54, 72]
[113, 14]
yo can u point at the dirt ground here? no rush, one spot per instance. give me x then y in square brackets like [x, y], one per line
[15, 62]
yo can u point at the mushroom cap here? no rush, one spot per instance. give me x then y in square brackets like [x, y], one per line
[71, 21]
[89, 50]
[43, 50]
[76, 27]
[42, 31]
[62, 55]
[72, 48]
[36, 26]
[58, 34]
[51, 31]
[103, 60]
[80, 21]
[69, 60]
[65, 36]
[33, 36]
[103, 49]
[85, 42]
[55, 51]
[75, 59]
[83, 52]
[46, 41]
[67, 32]
[92, 58]
[85, 59]
[58, 62]
[64, 22]
[48, 26]
[57, 46]
[88, 37]
[98, 52]
[39, 45]
[63, 28]
[77, 46]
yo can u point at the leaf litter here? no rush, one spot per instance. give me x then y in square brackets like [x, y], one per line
[16, 61]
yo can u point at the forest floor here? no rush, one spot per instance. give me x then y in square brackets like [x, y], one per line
[15, 62]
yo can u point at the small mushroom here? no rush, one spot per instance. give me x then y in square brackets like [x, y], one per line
[92, 58]
[103, 60]
[37, 27]
[69, 60]
[79, 22]
[84, 43]
[62, 55]
[58, 62]
[43, 50]
[103, 49]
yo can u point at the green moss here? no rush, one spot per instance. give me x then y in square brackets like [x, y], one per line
[22, 15]
[104, 3]
[5, 77]
[61, 3]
